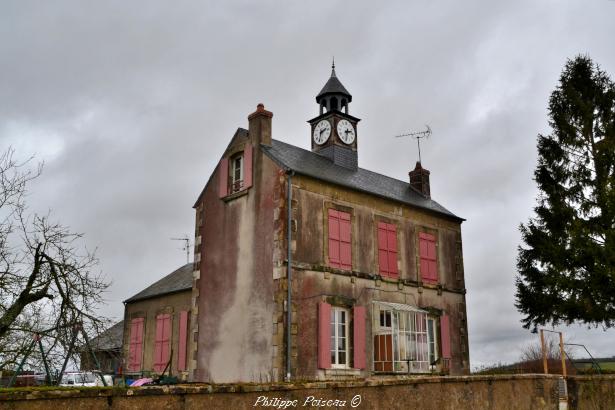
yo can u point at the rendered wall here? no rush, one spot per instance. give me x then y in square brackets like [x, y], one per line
[520, 392]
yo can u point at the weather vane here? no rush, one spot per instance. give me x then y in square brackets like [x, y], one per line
[417, 136]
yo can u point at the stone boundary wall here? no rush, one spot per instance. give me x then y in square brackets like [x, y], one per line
[438, 393]
[591, 392]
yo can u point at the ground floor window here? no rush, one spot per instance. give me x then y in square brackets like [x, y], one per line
[339, 337]
[404, 339]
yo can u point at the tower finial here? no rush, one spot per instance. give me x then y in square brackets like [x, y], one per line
[333, 68]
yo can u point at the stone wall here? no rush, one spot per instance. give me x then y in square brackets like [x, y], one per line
[591, 392]
[437, 393]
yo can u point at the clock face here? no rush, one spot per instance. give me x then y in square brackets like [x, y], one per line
[322, 131]
[345, 131]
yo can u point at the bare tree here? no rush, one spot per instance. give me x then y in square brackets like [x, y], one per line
[47, 280]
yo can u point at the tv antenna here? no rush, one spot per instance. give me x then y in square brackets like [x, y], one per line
[417, 135]
[186, 246]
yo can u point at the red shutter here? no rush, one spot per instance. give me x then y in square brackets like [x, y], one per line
[445, 336]
[247, 165]
[162, 342]
[383, 257]
[324, 335]
[358, 313]
[136, 344]
[183, 339]
[387, 249]
[345, 241]
[392, 249]
[223, 178]
[428, 262]
[334, 238]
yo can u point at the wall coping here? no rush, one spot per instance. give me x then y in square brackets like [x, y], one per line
[39, 393]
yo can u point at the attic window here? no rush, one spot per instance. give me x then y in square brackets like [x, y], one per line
[237, 173]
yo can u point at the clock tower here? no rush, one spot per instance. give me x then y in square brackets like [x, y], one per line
[334, 130]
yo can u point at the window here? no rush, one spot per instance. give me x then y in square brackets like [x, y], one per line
[387, 249]
[334, 337]
[136, 344]
[339, 337]
[339, 240]
[428, 262]
[162, 342]
[431, 339]
[402, 339]
[237, 173]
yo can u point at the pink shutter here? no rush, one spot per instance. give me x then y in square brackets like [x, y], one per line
[392, 249]
[158, 343]
[166, 341]
[345, 241]
[136, 344]
[358, 313]
[223, 178]
[383, 258]
[247, 165]
[183, 339]
[428, 262]
[445, 336]
[334, 239]
[324, 335]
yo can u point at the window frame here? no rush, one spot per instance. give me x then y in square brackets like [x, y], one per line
[407, 336]
[432, 340]
[236, 184]
[334, 322]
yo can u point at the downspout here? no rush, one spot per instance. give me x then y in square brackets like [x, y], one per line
[289, 310]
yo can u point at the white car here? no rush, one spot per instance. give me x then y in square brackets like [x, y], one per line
[86, 379]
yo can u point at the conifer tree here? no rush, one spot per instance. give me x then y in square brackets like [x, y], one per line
[566, 266]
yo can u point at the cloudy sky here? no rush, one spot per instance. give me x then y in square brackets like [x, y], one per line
[130, 105]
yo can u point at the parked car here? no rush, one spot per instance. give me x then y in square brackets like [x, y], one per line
[86, 379]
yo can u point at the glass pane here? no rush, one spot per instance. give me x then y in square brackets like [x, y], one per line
[342, 357]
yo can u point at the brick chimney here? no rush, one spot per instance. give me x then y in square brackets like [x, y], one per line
[419, 180]
[259, 128]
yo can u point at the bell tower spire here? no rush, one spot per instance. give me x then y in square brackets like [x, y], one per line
[334, 130]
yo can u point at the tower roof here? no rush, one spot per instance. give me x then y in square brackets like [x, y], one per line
[333, 86]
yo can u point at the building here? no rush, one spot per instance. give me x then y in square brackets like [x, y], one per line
[156, 324]
[107, 347]
[377, 280]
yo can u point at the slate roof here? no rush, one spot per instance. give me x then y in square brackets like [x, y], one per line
[314, 165]
[110, 339]
[176, 281]
[333, 85]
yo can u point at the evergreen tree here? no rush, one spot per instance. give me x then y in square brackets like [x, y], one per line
[566, 267]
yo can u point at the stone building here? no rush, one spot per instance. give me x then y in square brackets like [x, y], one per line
[376, 272]
[156, 325]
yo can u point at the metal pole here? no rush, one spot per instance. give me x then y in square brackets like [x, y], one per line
[561, 352]
[70, 351]
[48, 374]
[289, 309]
[23, 360]
[544, 353]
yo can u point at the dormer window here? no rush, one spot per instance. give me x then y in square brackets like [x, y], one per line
[237, 173]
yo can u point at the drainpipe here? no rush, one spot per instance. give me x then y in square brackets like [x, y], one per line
[289, 310]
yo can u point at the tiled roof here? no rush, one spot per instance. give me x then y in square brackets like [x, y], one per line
[176, 281]
[110, 339]
[314, 165]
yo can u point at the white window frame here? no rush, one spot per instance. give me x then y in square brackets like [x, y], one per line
[337, 314]
[236, 183]
[432, 339]
[409, 337]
